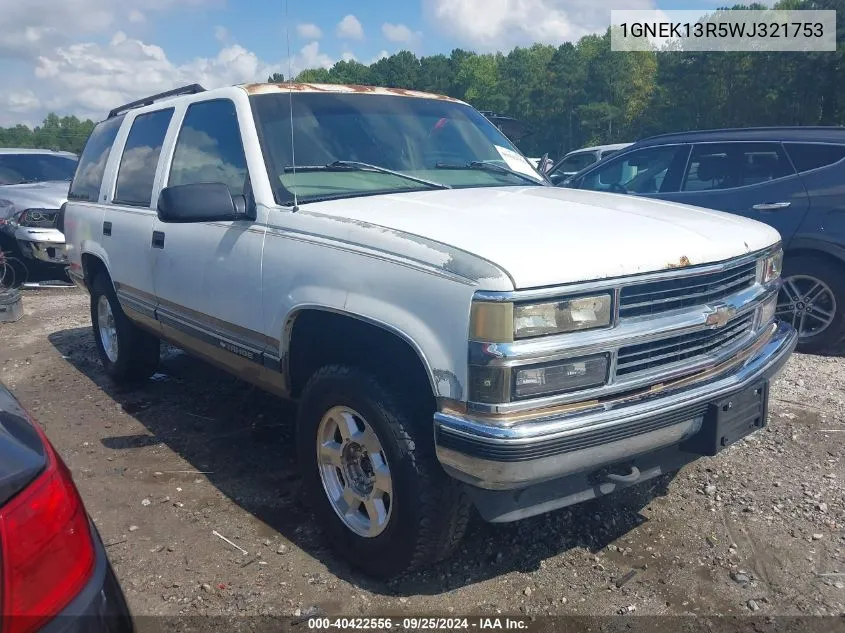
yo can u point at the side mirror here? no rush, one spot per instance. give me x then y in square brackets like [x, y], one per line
[545, 164]
[201, 202]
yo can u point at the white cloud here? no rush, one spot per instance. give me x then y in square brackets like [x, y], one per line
[23, 101]
[310, 57]
[400, 33]
[350, 28]
[87, 79]
[309, 31]
[503, 24]
[348, 57]
[381, 55]
[31, 26]
[57, 56]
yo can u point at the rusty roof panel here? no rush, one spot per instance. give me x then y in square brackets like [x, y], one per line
[256, 89]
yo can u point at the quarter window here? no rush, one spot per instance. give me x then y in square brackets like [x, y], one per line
[642, 171]
[89, 172]
[209, 148]
[576, 162]
[136, 175]
[714, 166]
[807, 156]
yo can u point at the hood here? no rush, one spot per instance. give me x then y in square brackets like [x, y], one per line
[544, 236]
[39, 195]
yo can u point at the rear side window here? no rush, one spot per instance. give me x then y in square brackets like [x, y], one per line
[136, 174]
[89, 172]
[807, 156]
[714, 166]
[209, 148]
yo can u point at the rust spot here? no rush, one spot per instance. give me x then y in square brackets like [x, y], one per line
[683, 262]
[341, 88]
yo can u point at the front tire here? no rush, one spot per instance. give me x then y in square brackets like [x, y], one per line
[127, 352]
[812, 300]
[371, 475]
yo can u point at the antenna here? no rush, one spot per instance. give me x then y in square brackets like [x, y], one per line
[290, 102]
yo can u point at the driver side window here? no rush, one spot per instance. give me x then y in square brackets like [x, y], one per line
[640, 172]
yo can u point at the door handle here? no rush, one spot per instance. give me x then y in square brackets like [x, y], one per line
[158, 239]
[771, 206]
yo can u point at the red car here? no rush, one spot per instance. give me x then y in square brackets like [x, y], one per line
[54, 572]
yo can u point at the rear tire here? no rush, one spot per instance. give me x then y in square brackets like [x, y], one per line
[813, 293]
[127, 352]
[425, 514]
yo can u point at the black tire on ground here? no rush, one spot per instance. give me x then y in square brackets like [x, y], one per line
[429, 510]
[137, 350]
[832, 275]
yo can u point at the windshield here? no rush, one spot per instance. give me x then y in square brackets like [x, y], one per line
[16, 169]
[437, 141]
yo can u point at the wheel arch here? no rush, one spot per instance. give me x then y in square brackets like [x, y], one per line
[308, 314]
[808, 245]
[94, 263]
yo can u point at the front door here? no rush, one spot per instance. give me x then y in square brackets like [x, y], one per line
[208, 274]
[752, 179]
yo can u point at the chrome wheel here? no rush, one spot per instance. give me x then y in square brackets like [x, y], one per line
[354, 471]
[807, 303]
[107, 328]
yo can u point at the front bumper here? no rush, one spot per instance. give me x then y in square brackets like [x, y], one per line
[546, 447]
[46, 245]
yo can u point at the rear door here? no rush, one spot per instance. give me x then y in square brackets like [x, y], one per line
[128, 220]
[821, 167]
[752, 179]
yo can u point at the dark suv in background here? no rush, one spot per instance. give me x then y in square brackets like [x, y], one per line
[790, 178]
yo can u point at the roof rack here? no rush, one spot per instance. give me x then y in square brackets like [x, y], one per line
[762, 128]
[184, 90]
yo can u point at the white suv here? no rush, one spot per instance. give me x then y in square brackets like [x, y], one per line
[457, 331]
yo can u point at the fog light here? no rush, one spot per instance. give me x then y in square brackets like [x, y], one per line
[490, 385]
[561, 377]
[767, 311]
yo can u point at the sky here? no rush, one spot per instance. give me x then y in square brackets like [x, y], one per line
[83, 57]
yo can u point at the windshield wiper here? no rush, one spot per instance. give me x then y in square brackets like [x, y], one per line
[354, 165]
[485, 166]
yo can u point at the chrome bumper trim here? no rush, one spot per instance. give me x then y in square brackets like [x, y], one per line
[543, 430]
[552, 292]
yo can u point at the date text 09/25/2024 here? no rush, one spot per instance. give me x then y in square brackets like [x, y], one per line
[421, 623]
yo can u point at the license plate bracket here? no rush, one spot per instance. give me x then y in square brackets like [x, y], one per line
[730, 419]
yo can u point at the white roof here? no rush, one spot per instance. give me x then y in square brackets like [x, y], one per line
[603, 148]
[31, 150]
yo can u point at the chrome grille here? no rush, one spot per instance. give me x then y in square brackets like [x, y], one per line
[683, 292]
[636, 358]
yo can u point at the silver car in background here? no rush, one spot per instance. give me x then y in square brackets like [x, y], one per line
[33, 186]
[579, 159]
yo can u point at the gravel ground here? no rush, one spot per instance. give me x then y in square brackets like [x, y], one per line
[758, 529]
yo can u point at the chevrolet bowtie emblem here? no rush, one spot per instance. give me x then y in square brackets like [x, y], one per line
[719, 316]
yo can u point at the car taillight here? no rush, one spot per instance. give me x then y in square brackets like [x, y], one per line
[46, 549]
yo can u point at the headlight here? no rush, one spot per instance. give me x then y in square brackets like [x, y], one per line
[769, 268]
[503, 322]
[561, 377]
[38, 218]
[497, 385]
[767, 311]
[569, 315]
